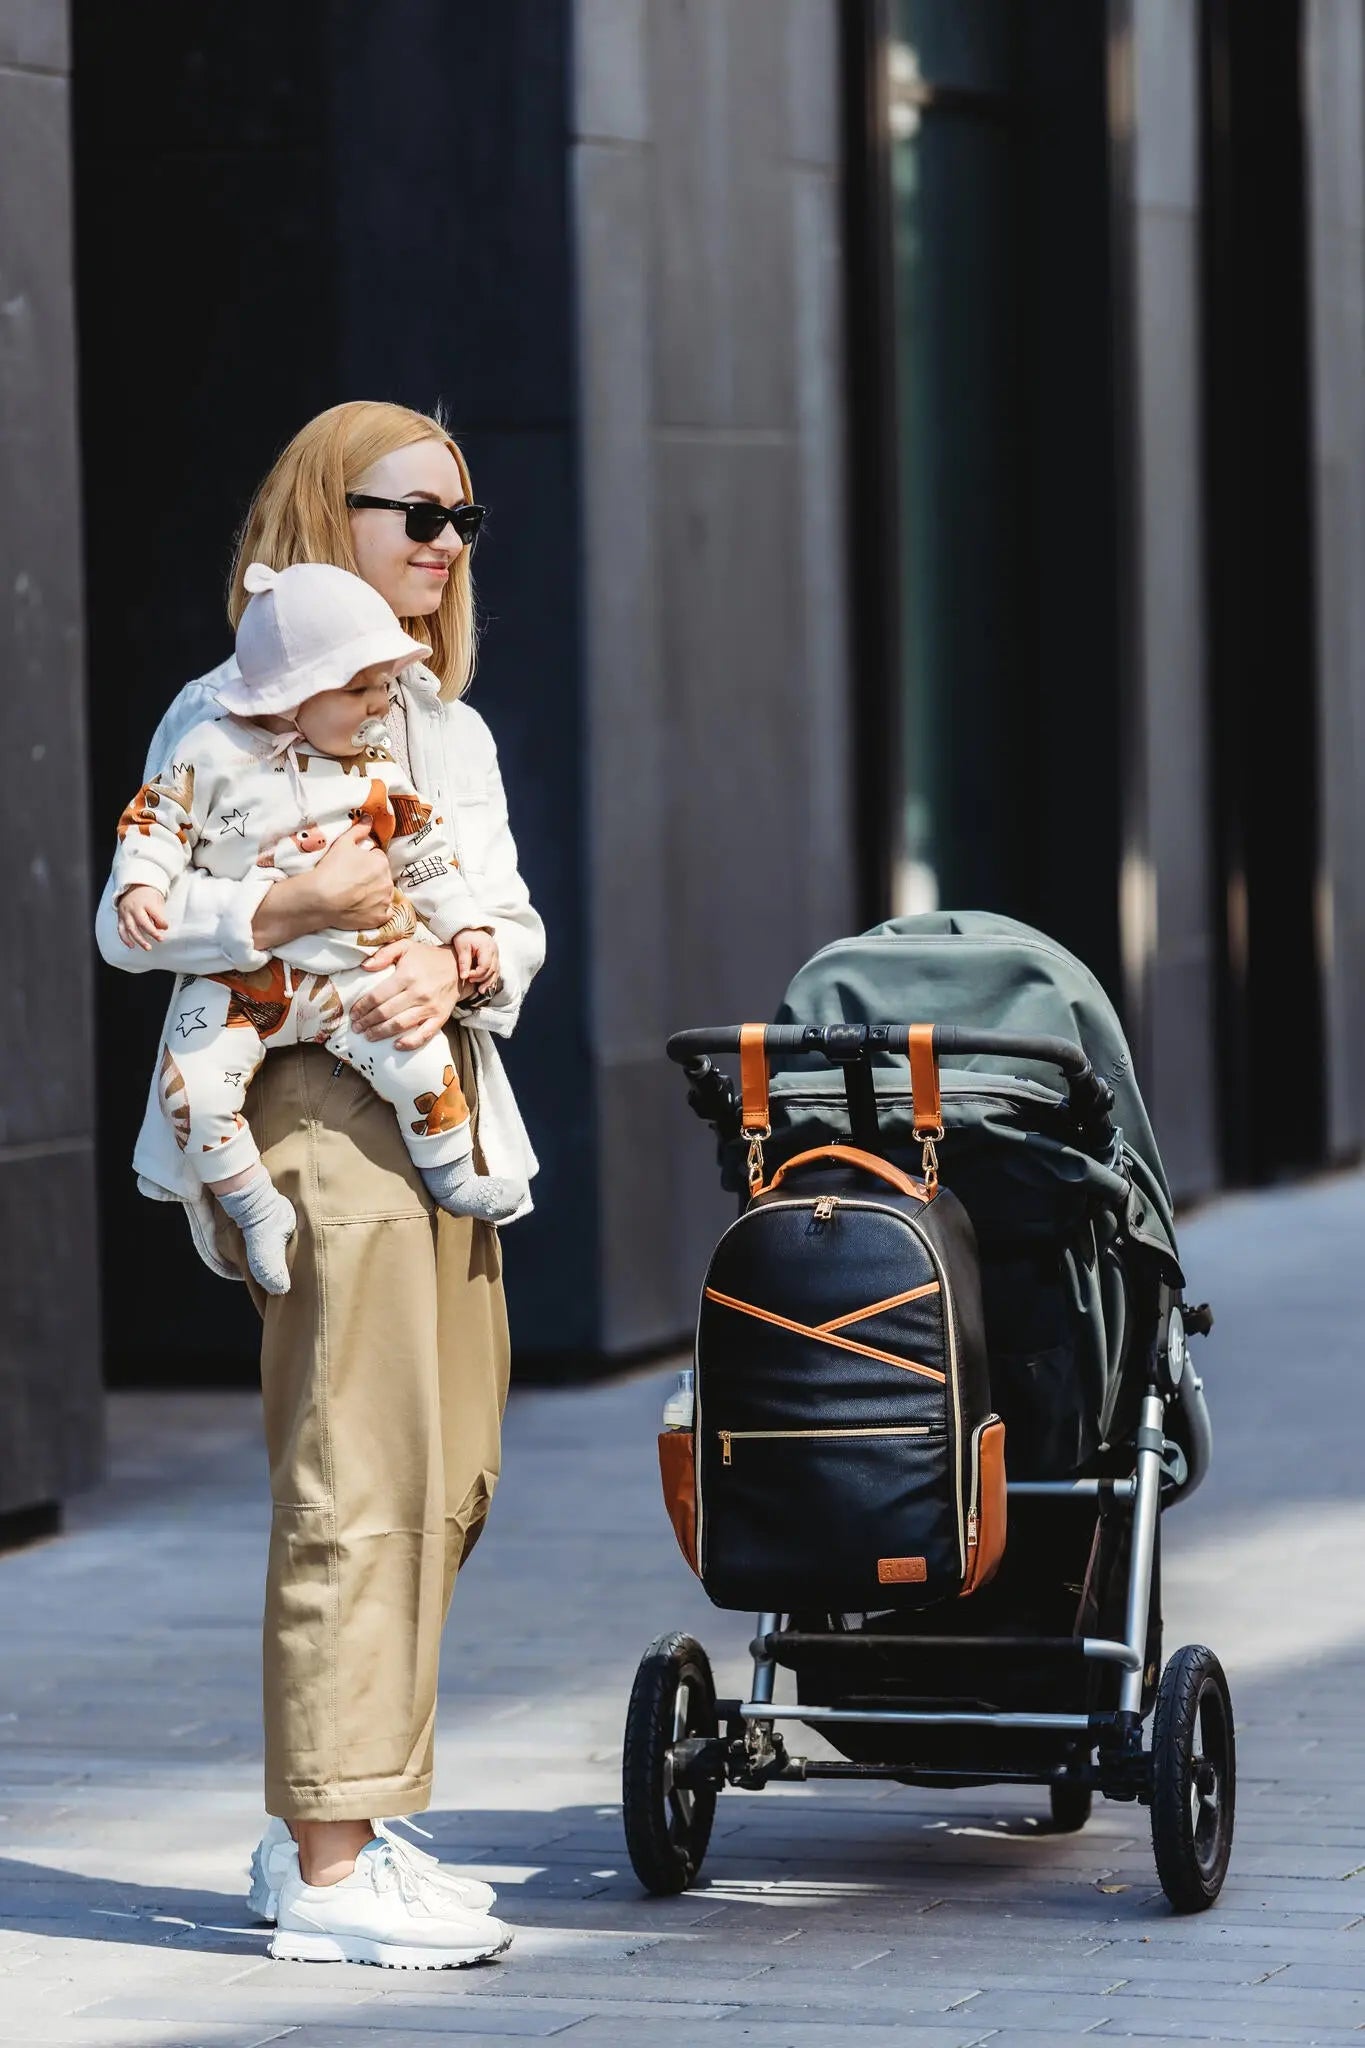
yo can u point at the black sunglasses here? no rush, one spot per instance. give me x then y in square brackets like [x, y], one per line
[423, 520]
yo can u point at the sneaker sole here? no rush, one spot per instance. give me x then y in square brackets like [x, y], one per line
[385, 1955]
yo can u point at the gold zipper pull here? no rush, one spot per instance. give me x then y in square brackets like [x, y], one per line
[824, 1208]
[725, 1457]
[973, 1530]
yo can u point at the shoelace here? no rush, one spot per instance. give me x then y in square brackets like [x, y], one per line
[394, 1871]
[416, 1864]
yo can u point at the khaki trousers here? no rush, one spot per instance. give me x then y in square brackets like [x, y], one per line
[384, 1377]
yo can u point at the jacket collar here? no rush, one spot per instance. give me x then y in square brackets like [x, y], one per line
[420, 680]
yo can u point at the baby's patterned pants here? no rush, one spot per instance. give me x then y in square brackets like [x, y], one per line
[222, 1026]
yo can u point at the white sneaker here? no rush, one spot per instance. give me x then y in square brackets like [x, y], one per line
[276, 1856]
[390, 1910]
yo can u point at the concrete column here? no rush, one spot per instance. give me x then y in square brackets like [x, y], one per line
[50, 1400]
[1334, 140]
[1167, 931]
[706, 185]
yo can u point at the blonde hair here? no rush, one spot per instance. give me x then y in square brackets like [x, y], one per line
[299, 515]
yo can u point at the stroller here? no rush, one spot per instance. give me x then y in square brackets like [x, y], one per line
[1048, 1674]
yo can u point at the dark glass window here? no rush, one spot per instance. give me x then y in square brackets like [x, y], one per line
[955, 357]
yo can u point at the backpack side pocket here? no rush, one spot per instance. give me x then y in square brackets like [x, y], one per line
[678, 1471]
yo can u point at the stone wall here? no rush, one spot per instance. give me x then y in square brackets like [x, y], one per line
[50, 1401]
[717, 694]
[1334, 111]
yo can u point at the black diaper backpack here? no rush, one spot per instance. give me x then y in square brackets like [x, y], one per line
[846, 1458]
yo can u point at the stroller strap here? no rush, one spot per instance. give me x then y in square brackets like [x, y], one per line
[753, 1080]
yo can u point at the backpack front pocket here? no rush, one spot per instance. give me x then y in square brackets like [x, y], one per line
[810, 1517]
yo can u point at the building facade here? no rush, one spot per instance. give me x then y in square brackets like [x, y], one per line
[926, 452]
[50, 1399]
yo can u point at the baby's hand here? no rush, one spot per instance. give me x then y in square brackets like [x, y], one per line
[476, 957]
[141, 921]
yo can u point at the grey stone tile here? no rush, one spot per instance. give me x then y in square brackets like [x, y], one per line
[760, 220]
[290, 2000]
[52, 1430]
[728, 529]
[402, 2019]
[813, 134]
[143, 2034]
[1166, 63]
[604, 2030]
[473, 2031]
[611, 96]
[35, 35]
[693, 149]
[1233, 2005]
[1323, 1976]
[1209, 2027]
[46, 1046]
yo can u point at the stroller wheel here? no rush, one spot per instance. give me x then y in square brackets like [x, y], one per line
[1070, 1806]
[1194, 1779]
[667, 1826]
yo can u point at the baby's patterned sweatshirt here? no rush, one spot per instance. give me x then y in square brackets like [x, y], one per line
[235, 797]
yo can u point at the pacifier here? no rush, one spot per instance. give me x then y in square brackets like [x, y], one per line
[373, 733]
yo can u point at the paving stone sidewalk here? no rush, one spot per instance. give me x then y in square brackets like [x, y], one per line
[829, 1916]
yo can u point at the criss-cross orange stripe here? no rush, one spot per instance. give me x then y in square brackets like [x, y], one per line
[875, 1308]
[766, 1315]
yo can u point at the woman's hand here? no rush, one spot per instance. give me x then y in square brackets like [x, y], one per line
[350, 887]
[413, 1003]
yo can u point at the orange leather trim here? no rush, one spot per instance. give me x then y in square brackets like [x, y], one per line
[924, 1081]
[991, 1504]
[753, 1077]
[849, 1155]
[874, 1308]
[766, 1315]
[902, 1571]
[677, 1469]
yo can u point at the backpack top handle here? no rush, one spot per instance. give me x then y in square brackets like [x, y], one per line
[849, 1155]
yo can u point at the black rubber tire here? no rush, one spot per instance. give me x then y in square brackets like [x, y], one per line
[667, 1831]
[1194, 1779]
[1071, 1806]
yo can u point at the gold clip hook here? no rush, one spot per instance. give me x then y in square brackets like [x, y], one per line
[929, 1159]
[756, 1157]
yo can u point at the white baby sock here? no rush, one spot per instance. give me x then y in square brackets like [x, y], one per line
[267, 1221]
[462, 1192]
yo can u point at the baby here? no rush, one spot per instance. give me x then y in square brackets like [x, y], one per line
[302, 758]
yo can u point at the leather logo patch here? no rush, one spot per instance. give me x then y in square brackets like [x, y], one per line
[902, 1571]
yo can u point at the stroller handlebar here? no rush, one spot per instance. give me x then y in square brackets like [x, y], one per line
[1090, 1096]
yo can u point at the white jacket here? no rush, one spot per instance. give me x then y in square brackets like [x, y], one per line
[454, 763]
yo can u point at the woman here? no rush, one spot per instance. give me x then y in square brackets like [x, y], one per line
[384, 1369]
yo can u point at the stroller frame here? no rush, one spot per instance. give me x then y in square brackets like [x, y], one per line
[1143, 1490]
[1187, 1776]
